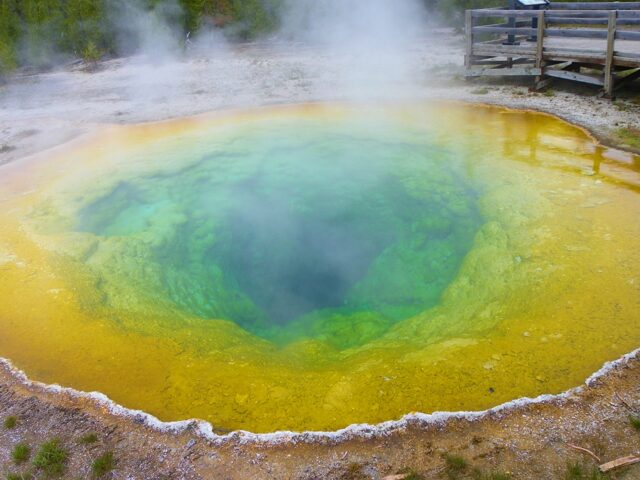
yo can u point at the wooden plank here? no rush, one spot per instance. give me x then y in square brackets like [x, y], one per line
[505, 30]
[576, 21]
[556, 32]
[600, 20]
[575, 76]
[608, 66]
[551, 20]
[484, 13]
[500, 62]
[512, 50]
[621, 81]
[468, 28]
[576, 33]
[626, 59]
[595, 5]
[619, 462]
[627, 35]
[628, 13]
[543, 83]
[505, 72]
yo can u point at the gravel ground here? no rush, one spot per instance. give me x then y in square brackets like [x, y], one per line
[42, 110]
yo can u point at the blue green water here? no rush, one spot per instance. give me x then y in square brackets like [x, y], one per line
[298, 231]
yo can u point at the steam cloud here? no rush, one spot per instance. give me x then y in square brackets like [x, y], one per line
[366, 45]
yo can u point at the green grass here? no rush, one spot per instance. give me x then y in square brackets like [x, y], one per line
[549, 93]
[480, 475]
[577, 471]
[88, 438]
[103, 464]
[20, 476]
[629, 136]
[353, 472]
[410, 474]
[20, 453]
[480, 91]
[455, 465]
[634, 420]
[10, 422]
[51, 458]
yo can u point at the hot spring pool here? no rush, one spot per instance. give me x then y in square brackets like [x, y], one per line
[305, 268]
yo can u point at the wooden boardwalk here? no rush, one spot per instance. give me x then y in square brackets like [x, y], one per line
[594, 42]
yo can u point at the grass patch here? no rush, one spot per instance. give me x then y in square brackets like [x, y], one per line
[20, 453]
[88, 438]
[549, 93]
[577, 471]
[353, 472]
[629, 136]
[20, 476]
[51, 458]
[10, 422]
[634, 420]
[410, 474]
[480, 91]
[103, 464]
[455, 465]
[479, 475]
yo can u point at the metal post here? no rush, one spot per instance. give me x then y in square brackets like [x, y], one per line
[511, 23]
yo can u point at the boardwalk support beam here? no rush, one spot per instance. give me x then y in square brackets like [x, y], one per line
[556, 42]
[608, 66]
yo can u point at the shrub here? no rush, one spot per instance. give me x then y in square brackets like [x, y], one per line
[103, 464]
[20, 453]
[10, 422]
[51, 458]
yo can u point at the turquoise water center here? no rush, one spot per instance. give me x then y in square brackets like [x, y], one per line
[310, 267]
[298, 230]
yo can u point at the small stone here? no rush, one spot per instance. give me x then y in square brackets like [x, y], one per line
[540, 378]
[495, 356]
[526, 334]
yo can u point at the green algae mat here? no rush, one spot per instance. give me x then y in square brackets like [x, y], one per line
[309, 267]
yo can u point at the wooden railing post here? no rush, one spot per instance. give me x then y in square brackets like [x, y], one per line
[540, 39]
[608, 66]
[539, 46]
[468, 28]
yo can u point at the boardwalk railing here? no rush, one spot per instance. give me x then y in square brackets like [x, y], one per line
[594, 42]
